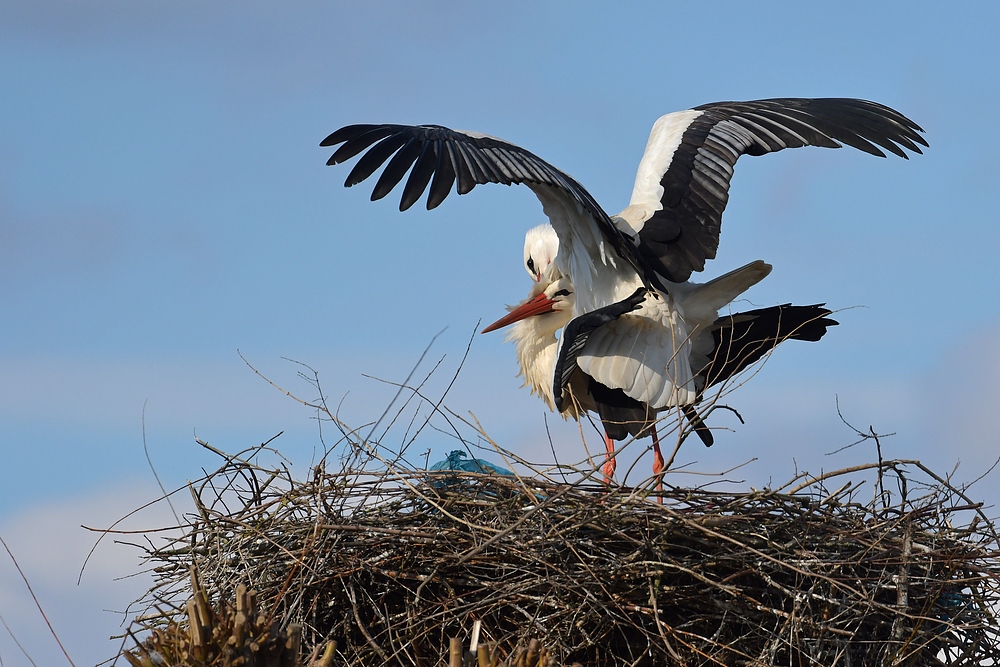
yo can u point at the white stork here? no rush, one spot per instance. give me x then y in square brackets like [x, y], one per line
[668, 230]
[556, 368]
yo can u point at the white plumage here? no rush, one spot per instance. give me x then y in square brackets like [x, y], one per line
[646, 353]
[664, 139]
[629, 347]
[668, 230]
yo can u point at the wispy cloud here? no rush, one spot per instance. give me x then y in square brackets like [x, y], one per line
[71, 246]
[960, 400]
[51, 547]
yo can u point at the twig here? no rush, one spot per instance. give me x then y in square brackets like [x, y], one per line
[37, 604]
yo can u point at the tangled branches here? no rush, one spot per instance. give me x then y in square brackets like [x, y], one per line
[392, 562]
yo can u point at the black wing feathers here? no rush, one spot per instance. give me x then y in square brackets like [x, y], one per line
[451, 155]
[441, 157]
[678, 238]
[420, 176]
[394, 170]
[355, 138]
[743, 338]
[620, 414]
[577, 332]
[444, 176]
[373, 159]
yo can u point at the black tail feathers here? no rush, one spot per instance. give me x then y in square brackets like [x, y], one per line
[743, 338]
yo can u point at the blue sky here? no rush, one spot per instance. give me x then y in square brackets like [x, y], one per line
[164, 203]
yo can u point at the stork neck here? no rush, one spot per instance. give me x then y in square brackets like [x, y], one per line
[536, 355]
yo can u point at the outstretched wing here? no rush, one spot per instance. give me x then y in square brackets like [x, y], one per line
[438, 158]
[682, 184]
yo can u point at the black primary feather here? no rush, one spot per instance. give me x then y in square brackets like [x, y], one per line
[443, 157]
[577, 332]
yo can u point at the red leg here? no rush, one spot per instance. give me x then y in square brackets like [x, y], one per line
[657, 462]
[609, 465]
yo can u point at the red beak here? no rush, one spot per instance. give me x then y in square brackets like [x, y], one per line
[538, 305]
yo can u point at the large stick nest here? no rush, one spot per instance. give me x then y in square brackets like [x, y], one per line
[390, 562]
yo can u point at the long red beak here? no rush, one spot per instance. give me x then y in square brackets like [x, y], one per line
[538, 305]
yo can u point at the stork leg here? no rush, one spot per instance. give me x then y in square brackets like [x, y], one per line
[609, 465]
[658, 465]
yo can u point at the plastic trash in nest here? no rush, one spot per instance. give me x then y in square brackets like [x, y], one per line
[458, 460]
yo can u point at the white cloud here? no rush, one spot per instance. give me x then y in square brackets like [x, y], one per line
[960, 401]
[50, 546]
[111, 392]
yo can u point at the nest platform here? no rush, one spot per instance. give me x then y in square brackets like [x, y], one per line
[393, 564]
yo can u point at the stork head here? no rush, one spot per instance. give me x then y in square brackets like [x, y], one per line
[550, 307]
[540, 248]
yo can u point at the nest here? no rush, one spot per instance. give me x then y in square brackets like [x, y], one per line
[393, 563]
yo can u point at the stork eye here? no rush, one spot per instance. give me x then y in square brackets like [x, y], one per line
[562, 292]
[531, 265]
